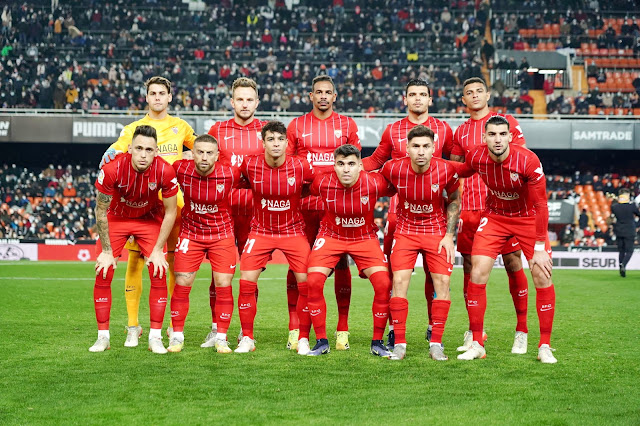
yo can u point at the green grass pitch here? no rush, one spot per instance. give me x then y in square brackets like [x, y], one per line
[47, 323]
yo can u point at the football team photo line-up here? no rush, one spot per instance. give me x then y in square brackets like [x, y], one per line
[249, 187]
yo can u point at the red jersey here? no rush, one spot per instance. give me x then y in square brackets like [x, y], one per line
[316, 139]
[135, 194]
[206, 213]
[349, 211]
[394, 141]
[277, 192]
[235, 142]
[465, 139]
[421, 207]
[517, 186]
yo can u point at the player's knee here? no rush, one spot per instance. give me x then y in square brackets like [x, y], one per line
[513, 261]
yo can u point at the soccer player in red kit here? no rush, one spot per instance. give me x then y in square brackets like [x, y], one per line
[276, 180]
[516, 208]
[238, 138]
[422, 181]
[315, 136]
[128, 205]
[206, 230]
[394, 144]
[347, 227]
[475, 95]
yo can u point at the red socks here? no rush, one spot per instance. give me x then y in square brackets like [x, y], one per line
[519, 289]
[247, 306]
[224, 308]
[212, 300]
[343, 296]
[292, 300]
[302, 309]
[157, 298]
[399, 310]
[179, 306]
[546, 307]
[476, 306]
[102, 299]
[428, 294]
[380, 308]
[440, 315]
[317, 304]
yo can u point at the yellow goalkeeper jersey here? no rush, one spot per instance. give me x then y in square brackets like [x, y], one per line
[173, 134]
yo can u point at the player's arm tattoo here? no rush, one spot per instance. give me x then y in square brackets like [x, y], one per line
[457, 158]
[453, 212]
[186, 275]
[102, 224]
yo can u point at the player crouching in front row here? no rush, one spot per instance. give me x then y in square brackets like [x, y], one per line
[347, 227]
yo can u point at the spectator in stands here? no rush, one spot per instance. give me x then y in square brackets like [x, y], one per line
[583, 220]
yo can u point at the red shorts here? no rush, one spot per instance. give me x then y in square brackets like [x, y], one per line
[145, 232]
[258, 249]
[495, 230]
[327, 251]
[221, 254]
[406, 248]
[467, 227]
[241, 225]
[132, 245]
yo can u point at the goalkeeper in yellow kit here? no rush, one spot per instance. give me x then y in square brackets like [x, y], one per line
[173, 134]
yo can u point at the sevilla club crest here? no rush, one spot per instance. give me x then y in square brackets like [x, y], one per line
[220, 187]
[364, 200]
[337, 133]
[174, 130]
[435, 187]
[514, 176]
[291, 181]
[152, 186]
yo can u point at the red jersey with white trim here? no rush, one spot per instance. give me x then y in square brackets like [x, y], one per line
[348, 213]
[135, 194]
[315, 139]
[206, 214]
[517, 186]
[394, 141]
[235, 142]
[421, 207]
[277, 192]
[466, 137]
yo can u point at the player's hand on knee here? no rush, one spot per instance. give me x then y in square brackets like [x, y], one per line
[160, 264]
[446, 243]
[103, 262]
[544, 262]
[109, 154]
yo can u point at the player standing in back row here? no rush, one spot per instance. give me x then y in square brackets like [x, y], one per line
[315, 136]
[394, 144]
[238, 138]
[475, 95]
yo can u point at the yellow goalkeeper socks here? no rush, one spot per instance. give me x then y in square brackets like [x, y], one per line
[133, 286]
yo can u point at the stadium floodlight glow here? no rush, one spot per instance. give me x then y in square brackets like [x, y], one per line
[551, 72]
[532, 69]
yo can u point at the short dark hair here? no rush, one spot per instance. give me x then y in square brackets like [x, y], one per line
[273, 127]
[474, 80]
[158, 80]
[205, 138]
[319, 78]
[497, 120]
[347, 150]
[420, 131]
[145, 130]
[417, 82]
[624, 191]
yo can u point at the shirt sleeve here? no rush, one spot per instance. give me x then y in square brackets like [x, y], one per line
[292, 138]
[463, 170]
[124, 140]
[385, 188]
[105, 182]
[516, 131]
[170, 185]
[213, 131]
[453, 183]
[537, 186]
[189, 137]
[307, 171]
[447, 145]
[456, 147]
[314, 189]
[381, 153]
[352, 137]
